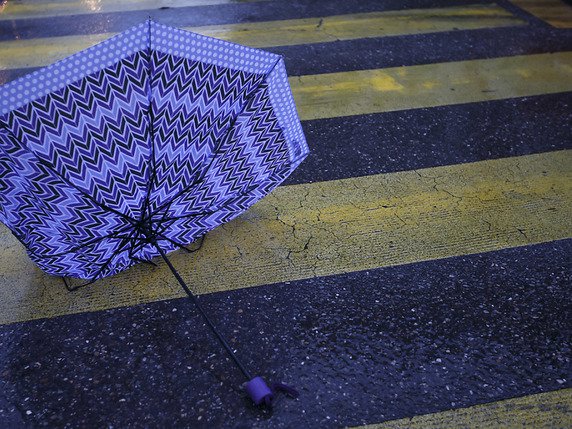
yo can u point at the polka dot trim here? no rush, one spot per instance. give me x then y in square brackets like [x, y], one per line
[60, 74]
[196, 47]
[285, 110]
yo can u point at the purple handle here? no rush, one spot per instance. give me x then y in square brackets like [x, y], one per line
[259, 391]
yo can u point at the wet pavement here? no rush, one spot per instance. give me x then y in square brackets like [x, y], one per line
[364, 346]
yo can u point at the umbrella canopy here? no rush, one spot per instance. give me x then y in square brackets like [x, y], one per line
[139, 145]
[155, 134]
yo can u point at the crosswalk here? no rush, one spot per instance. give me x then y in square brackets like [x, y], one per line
[39, 52]
[350, 222]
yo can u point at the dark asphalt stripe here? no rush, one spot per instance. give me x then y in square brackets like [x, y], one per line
[364, 54]
[206, 15]
[420, 138]
[362, 348]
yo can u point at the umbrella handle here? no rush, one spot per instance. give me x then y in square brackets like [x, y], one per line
[259, 391]
[261, 394]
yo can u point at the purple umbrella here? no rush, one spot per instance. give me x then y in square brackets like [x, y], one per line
[141, 145]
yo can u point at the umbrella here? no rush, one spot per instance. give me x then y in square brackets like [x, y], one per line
[140, 145]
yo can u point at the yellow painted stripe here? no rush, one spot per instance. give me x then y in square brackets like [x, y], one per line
[372, 91]
[40, 9]
[556, 12]
[327, 228]
[39, 52]
[544, 410]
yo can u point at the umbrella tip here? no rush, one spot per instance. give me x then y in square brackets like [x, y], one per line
[261, 393]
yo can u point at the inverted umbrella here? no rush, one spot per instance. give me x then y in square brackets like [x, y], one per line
[140, 145]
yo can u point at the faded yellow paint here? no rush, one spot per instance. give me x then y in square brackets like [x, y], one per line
[555, 12]
[385, 83]
[327, 228]
[40, 9]
[543, 410]
[429, 85]
[39, 52]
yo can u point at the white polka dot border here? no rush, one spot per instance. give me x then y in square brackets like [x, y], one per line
[62, 73]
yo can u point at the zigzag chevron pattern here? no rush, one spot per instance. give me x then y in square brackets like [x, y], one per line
[193, 105]
[154, 147]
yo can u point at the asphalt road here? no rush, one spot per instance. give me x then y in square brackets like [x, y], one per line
[415, 271]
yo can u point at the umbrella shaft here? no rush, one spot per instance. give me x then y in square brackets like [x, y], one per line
[204, 314]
